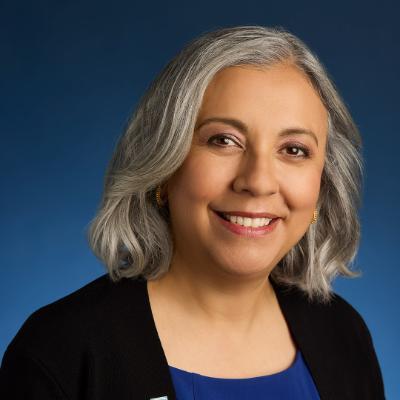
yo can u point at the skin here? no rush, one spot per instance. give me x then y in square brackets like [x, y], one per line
[217, 293]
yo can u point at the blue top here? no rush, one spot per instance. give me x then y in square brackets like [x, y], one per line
[294, 383]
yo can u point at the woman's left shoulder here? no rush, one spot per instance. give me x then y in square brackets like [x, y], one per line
[344, 324]
[336, 343]
[345, 313]
[334, 317]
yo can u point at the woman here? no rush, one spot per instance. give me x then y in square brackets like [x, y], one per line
[229, 207]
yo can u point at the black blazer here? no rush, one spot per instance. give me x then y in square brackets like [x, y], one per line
[100, 342]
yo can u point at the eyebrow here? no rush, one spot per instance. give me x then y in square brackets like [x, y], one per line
[241, 126]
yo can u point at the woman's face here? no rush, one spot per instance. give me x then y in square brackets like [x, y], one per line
[258, 147]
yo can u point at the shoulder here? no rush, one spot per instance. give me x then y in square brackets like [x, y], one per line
[352, 329]
[336, 323]
[336, 312]
[335, 341]
[90, 312]
[89, 341]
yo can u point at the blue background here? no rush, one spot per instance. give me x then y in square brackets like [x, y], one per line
[72, 72]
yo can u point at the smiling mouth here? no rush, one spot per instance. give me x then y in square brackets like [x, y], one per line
[223, 216]
[247, 227]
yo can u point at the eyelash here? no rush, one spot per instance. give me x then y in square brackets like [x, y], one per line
[304, 149]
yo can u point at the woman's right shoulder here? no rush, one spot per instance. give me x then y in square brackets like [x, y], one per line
[74, 344]
[76, 320]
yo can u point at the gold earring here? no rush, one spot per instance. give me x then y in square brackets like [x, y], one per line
[160, 202]
[315, 216]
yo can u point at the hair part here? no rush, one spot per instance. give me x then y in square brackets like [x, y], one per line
[131, 235]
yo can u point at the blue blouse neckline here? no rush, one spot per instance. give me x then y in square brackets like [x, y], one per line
[256, 378]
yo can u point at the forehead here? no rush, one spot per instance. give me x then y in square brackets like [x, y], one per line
[280, 94]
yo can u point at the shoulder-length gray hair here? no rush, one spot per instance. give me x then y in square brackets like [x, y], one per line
[131, 235]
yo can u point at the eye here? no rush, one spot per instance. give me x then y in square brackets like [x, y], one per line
[223, 140]
[297, 151]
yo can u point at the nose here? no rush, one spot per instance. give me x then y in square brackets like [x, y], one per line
[257, 175]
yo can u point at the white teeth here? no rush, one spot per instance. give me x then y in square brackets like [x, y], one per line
[244, 221]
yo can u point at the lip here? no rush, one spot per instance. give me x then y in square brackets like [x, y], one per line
[249, 214]
[247, 230]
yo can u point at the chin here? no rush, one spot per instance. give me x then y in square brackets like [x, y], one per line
[244, 271]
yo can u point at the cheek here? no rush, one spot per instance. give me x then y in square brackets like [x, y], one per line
[302, 190]
[200, 179]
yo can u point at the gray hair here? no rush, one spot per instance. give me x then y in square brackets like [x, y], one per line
[131, 234]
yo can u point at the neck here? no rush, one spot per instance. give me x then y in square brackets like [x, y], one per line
[216, 297]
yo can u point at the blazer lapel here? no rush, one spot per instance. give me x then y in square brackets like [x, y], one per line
[317, 334]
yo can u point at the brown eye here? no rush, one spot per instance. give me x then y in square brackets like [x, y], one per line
[221, 140]
[297, 151]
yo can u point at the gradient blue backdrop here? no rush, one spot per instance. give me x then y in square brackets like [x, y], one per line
[71, 73]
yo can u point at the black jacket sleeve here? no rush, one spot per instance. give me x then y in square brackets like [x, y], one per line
[23, 377]
[375, 369]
